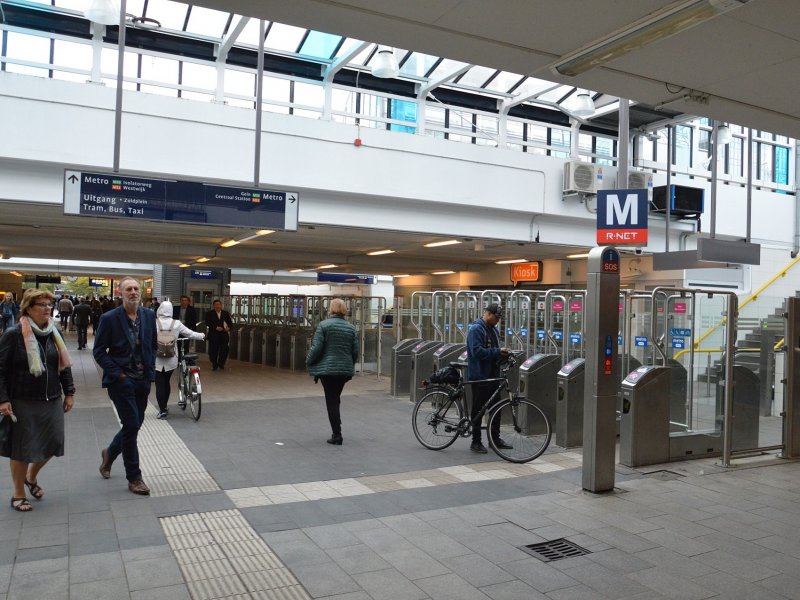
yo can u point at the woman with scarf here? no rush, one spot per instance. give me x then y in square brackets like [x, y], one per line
[34, 371]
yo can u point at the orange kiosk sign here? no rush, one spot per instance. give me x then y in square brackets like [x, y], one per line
[529, 271]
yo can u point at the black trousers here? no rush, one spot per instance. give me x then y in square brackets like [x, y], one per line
[82, 333]
[218, 345]
[481, 392]
[163, 388]
[333, 386]
[130, 399]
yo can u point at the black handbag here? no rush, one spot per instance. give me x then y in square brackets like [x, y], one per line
[5, 436]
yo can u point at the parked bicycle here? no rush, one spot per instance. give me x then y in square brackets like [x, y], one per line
[439, 416]
[189, 388]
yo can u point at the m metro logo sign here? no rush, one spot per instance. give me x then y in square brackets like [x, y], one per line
[529, 271]
[622, 217]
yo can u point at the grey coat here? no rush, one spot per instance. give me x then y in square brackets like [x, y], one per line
[334, 350]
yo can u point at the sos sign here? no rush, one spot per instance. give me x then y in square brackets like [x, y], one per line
[609, 261]
[622, 217]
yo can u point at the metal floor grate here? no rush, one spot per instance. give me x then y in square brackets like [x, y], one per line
[555, 550]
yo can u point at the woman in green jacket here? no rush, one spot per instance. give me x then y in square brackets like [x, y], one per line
[332, 359]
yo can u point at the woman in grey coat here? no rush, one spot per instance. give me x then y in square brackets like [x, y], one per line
[332, 359]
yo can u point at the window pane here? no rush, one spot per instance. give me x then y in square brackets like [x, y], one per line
[171, 15]
[766, 162]
[276, 89]
[205, 21]
[155, 68]
[240, 83]
[249, 34]
[781, 165]
[683, 146]
[32, 48]
[487, 130]
[308, 94]
[476, 76]
[537, 133]
[604, 147]
[504, 81]
[446, 66]
[403, 110]
[199, 76]
[735, 157]
[69, 54]
[560, 137]
[284, 37]
[321, 45]
[418, 64]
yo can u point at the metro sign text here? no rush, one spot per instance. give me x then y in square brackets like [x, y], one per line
[622, 217]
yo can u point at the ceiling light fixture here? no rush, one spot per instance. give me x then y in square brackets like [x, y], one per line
[105, 12]
[584, 105]
[444, 243]
[403, 275]
[724, 135]
[442, 272]
[16, 273]
[678, 17]
[384, 65]
[582, 255]
[379, 252]
[229, 243]
[325, 267]
[261, 232]
[203, 259]
[296, 270]
[510, 261]
[184, 265]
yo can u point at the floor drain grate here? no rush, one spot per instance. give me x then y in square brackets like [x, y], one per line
[555, 550]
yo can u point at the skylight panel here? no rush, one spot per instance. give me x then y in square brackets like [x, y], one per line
[249, 34]
[207, 22]
[504, 82]
[418, 64]
[171, 15]
[284, 37]
[445, 67]
[476, 76]
[361, 57]
[320, 45]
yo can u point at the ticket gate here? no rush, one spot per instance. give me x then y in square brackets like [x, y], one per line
[746, 399]
[644, 423]
[538, 382]
[233, 341]
[257, 345]
[300, 344]
[243, 342]
[270, 344]
[400, 376]
[283, 349]
[445, 354]
[569, 406]
[462, 361]
[421, 367]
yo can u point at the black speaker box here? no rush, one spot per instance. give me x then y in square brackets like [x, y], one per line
[684, 201]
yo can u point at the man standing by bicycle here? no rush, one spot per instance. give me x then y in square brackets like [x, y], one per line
[484, 356]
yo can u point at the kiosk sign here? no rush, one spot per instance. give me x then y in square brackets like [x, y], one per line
[622, 217]
[529, 271]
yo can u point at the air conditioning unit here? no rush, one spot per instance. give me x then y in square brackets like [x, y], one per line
[640, 180]
[582, 177]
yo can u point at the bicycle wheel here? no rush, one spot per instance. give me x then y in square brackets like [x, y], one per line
[182, 387]
[435, 419]
[194, 395]
[523, 426]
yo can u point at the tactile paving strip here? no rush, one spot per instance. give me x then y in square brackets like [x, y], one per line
[221, 556]
[339, 488]
[168, 467]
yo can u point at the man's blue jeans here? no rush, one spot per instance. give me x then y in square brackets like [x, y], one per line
[130, 399]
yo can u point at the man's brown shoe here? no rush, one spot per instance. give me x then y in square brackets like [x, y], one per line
[139, 487]
[105, 466]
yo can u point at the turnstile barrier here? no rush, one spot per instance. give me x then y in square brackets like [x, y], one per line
[538, 383]
[400, 377]
[569, 406]
[644, 423]
[421, 367]
[746, 400]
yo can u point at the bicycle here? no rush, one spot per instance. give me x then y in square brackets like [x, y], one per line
[438, 417]
[189, 388]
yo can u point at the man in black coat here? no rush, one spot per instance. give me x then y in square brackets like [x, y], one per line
[186, 313]
[219, 325]
[82, 316]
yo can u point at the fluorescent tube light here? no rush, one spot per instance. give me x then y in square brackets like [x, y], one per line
[444, 243]
[379, 252]
[399, 276]
[676, 18]
[184, 265]
[583, 255]
[510, 261]
[229, 243]
[325, 267]
[296, 270]
[203, 259]
[442, 272]
[265, 231]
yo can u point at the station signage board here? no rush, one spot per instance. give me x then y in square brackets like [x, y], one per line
[132, 197]
[529, 271]
[204, 274]
[622, 217]
[99, 282]
[345, 278]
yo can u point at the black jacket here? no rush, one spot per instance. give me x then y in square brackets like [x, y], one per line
[16, 381]
[82, 315]
[191, 316]
[213, 322]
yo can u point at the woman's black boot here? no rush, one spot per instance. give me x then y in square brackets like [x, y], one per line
[336, 439]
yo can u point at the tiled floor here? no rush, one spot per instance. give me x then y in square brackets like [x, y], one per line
[250, 502]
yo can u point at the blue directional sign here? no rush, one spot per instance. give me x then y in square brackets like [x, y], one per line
[324, 277]
[680, 332]
[640, 341]
[574, 338]
[523, 332]
[679, 342]
[133, 197]
[558, 335]
[540, 334]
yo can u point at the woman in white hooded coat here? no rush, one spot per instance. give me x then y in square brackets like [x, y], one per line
[165, 366]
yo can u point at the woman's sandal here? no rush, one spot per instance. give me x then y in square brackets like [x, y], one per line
[36, 491]
[21, 504]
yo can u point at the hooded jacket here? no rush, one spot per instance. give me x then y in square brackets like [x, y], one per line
[165, 321]
[334, 350]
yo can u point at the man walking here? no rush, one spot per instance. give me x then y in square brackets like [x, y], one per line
[219, 324]
[82, 315]
[484, 355]
[125, 348]
[186, 313]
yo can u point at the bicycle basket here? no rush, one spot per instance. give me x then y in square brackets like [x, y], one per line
[446, 375]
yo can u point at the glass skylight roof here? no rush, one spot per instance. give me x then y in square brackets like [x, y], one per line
[326, 47]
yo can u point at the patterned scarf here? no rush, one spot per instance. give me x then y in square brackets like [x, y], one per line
[29, 330]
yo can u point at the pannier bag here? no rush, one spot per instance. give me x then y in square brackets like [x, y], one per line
[448, 375]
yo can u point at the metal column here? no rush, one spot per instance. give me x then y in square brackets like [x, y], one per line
[791, 419]
[600, 394]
